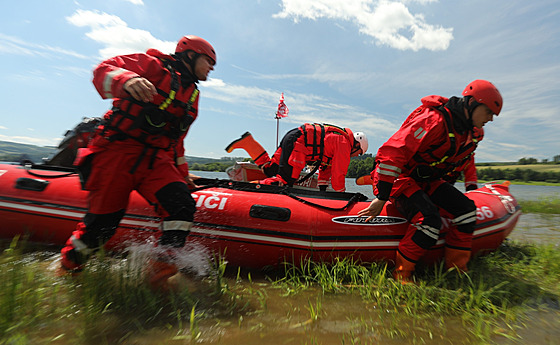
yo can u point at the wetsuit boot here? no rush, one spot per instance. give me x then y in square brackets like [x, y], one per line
[403, 269]
[158, 273]
[457, 258]
[253, 148]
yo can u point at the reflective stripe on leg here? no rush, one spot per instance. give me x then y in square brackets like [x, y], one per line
[80, 246]
[182, 225]
[466, 218]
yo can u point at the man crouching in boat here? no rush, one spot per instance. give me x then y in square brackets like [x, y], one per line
[327, 147]
[436, 139]
[139, 146]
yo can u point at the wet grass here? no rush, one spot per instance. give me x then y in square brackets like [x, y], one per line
[546, 206]
[107, 303]
[110, 303]
[490, 301]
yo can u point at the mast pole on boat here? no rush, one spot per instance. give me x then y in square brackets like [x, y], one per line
[280, 113]
[277, 126]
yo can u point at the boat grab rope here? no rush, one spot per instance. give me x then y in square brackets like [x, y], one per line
[66, 171]
[506, 200]
[288, 191]
[355, 198]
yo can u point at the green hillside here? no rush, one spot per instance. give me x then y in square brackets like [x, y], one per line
[14, 152]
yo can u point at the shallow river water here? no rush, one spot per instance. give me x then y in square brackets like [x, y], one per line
[346, 319]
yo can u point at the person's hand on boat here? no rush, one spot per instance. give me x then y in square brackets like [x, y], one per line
[373, 210]
[141, 89]
[190, 180]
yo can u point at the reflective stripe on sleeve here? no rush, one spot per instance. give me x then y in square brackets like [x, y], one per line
[388, 170]
[108, 81]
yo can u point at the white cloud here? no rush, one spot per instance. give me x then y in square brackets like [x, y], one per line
[16, 46]
[2, 127]
[388, 22]
[306, 107]
[115, 36]
[136, 2]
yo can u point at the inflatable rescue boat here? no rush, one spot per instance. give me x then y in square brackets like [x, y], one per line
[253, 225]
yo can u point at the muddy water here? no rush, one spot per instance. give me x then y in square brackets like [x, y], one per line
[537, 228]
[312, 317]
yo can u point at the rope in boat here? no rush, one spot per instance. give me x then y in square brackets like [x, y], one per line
[251, 187]
[355, 198]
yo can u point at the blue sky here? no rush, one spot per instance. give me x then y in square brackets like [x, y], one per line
[362, 64]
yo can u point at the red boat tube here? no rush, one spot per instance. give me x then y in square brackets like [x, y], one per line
[252, 225]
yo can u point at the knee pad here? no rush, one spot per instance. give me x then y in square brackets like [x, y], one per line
[427, 232]
[428, 223]
[176, 200]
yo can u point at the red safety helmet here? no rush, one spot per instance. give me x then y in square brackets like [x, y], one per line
[196, 44]
[486, 93]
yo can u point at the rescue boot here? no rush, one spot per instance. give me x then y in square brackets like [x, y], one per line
[254, 149]
[457, 258]
[158, 273]
[403, 269]
[67, 267]
[73, 257]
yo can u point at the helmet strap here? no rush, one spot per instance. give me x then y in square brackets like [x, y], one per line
[356, 146]
[470, 105]
[184, 57]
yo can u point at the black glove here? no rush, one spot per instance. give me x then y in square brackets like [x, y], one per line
[471, 187]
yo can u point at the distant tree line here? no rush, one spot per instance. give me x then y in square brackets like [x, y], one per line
[360, 166]
[525, 175]
[217, 166]
[363, 165]
[220, 165]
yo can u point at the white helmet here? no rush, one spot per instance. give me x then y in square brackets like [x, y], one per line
[361, 138]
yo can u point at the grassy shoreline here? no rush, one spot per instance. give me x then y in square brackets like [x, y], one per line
[531, 183]
[108, 304]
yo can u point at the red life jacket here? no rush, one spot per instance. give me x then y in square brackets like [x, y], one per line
[443, 157]
[160, 123]
[314, 138]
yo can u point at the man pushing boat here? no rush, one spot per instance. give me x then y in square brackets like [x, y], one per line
[436, 140]
[139, 146]
[327, 147]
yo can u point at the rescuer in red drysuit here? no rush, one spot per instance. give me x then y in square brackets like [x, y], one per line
[139, 146]
[326, 146]
[435, 139]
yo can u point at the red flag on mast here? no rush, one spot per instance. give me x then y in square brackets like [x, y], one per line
[282, 108]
